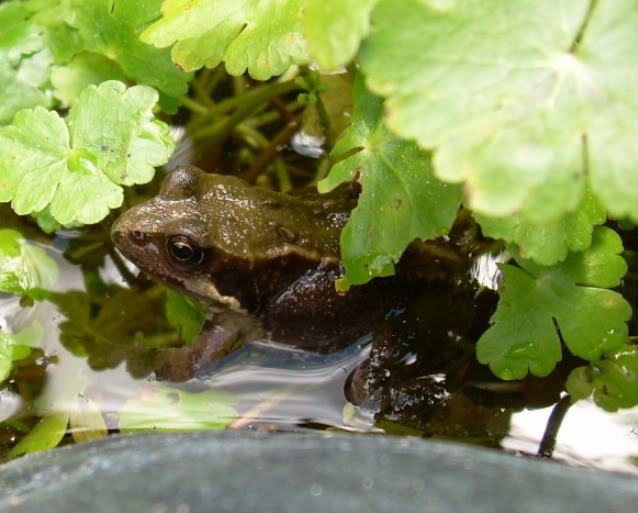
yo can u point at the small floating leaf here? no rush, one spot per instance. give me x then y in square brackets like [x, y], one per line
[167, 409]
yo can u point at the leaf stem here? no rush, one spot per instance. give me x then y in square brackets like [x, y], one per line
[548, 443]
[245, 104]
[193, 105]
[583, 26]
[270, 152]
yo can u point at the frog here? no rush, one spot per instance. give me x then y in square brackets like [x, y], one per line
[262, 263]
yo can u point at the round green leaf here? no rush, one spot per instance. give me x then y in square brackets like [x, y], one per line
[527, 106]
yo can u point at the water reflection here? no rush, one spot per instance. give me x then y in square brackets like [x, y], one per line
[437, 390]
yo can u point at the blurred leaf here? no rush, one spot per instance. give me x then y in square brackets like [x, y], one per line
[123, 327]
[17, 346]
[86, 422]
[24, 267]
[46, 435]
[24, 62]
[83, 70]
[547, 243]
[168, 409]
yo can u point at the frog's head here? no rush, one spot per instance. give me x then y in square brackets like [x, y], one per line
[211, 236]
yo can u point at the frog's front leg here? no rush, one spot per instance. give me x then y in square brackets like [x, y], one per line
[221, 334]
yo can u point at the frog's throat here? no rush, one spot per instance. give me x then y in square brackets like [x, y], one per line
[209, 294]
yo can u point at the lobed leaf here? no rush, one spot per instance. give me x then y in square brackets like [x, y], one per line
[527, 103]
[400, 200]
[547, 243]
[261, 36]
[112, 139]
[539, 306]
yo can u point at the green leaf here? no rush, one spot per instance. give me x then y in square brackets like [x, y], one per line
[17, 346]
[24, 267]
[613, 380]
[528, 106]
[400, 200]
[47, 434]
[334, 30]
[111, 27]
[547, 243]
[24, 62]
[56, 19]
[536, 303]
[168, 409]
[85, 69]
[261, 36]
[185, 314]
[112, 139]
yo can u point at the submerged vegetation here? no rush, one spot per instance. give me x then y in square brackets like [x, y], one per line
[524, 118]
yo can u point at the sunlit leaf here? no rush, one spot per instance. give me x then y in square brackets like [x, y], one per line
[334, 30]
[526, 103]
[110, 139]
[261, 36]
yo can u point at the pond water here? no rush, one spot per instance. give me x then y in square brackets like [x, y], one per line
[266, 386]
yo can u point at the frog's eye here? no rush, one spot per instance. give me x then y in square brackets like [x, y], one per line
[183, 250]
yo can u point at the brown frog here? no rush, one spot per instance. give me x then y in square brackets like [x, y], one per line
[259, 260]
